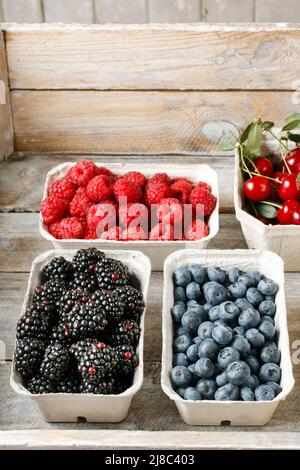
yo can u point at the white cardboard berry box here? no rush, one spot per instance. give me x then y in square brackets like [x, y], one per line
[155, 250]
[73, 407]
[211, 412]
[282, 239]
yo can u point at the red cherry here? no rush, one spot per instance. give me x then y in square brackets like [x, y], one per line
[127, 355]
[278, 175]
[296, 216]
[263, 166]
[91, 370]
[115, 276]
[293, 159]
[284, 214]
[289, 188]
[257, 188]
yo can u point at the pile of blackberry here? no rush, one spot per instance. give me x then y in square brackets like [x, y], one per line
[80, 333]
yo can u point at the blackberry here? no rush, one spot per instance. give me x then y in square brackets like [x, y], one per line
[35, 322]
[122, 384]
[58, 268]
[132, 300]
[56, 362]
[59, 334]
[40, 384]
[97, 362]
[81, 347]
[69, 384]
[86, 259]
[105, 386]
[50, 292]
[67, 301]
[127, 359]
[111, 273]
[86, 281]
[28, 356]
[83, 321]
[108, 302]
[127, 332]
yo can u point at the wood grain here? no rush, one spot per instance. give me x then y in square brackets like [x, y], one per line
[121, 11]
[6, 126]
[174, 11]
[228, 10]
[68, 11]
[22, 11]
[198, 57]
[126, 122]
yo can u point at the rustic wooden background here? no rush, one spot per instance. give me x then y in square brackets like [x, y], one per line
[145, 11]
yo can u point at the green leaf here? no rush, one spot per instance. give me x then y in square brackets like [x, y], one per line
[265, 210]
[292, 125]
[294, 137]
[292, 117]
[268, 125]
[298, 178]
[245, 133]
[254, 139]
[226, 146]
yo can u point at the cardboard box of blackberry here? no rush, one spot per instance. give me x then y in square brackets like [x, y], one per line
[230, 359]
[80, 333]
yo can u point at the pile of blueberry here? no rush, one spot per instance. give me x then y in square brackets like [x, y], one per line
[225, 345]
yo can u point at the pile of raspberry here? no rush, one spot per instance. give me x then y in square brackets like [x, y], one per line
[77, 204]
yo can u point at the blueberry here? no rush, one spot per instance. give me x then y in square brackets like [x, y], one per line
[197, 340]
[264, 393]
[267, 318]
[177, 312]
[271, 298]
[191, 319]
[180, 376]
[205, 329]
[228, 392]
[255, 338]
[181, 331]
[252, 363]
[270, 372]
[267, 287]
[237, 372]
[237, 290]
[243, 304]
[219, 322]
[180, 392]
[191, 368]
[256, 276]
[251, 382]
[182, 277]
[227, 355]
[204, 368]
[179, 294]
[192, 353]
[270, 354]
[207, 388]
[213, 314]
[249, 318]
[216, 274]
[214, 293]
[267, 329]
[209, 348]
[277, 389]
[238, 330]
[192, 303]
[207, 307]
[267, 307]
[221, 379]
[198, 273]
[254, 296]
[222, 335]
[192, 393]
[193, 291]
[228, 312]
[181, 343]
[234, 273]
[247, 280]
[247, 394]
[241, 344]
[180, 359]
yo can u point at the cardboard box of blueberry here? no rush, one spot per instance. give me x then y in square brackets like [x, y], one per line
[225, 344]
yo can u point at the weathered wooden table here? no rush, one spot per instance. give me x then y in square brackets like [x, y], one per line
[145, 94]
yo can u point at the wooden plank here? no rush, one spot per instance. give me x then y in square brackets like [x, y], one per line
[228, 10]
[22, 11]
[277, 10]
[1, 12]
[32, 170]
[123, 122]
[201, 56]
[121, 11]
[174, 11]
[6, 126]
[67, 12]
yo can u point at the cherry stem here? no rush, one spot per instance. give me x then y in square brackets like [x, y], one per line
[243, 161]
[273, 204]
[281, 145]
[264, 176]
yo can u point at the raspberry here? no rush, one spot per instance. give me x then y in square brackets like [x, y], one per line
[182, 189]
[104, 210]
[80, 203]
[170, 210]
[63, 189]
[131, 212]
[90, 234]
[162, 232]
[203, 185]
[101, 170]
[99, 188]
[69, 227]
[155, 192]
[133, 233]
[81, 173]
[197, 230]
[182, 179]
[131, 191]
[135, 177]
[111, 234]
[205, 198]
[160, 178]
[53, 208]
